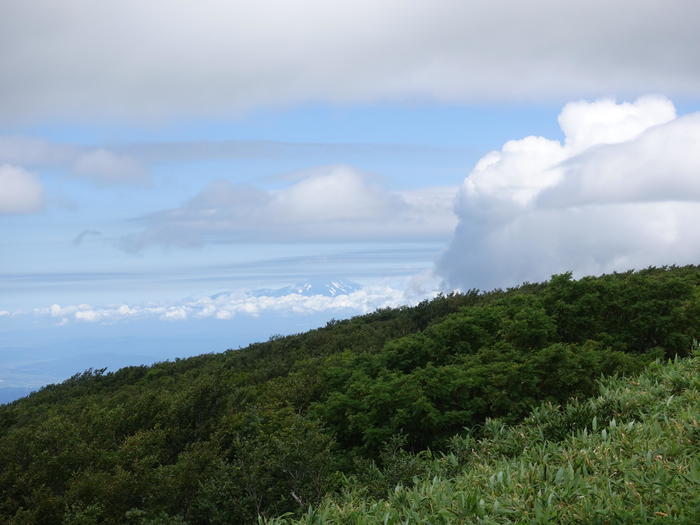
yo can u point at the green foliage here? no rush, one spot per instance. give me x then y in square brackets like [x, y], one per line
[629, 455]
[277, 461]
[366, 403]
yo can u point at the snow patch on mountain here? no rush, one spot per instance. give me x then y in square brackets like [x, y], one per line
[311, 288]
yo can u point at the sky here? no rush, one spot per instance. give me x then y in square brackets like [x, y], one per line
[172, 172]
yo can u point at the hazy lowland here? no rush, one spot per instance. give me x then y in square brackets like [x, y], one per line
[474, 407]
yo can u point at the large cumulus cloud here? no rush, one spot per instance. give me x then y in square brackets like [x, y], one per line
[165, 58]
[621, 191]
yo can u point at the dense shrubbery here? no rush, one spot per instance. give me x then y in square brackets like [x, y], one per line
[276, 426]
[628, 455]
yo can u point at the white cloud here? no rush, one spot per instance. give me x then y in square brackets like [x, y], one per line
[108, 167]
[336, 203]
[99, 165]
[175, 313]
[622, 191]
[134, 59]
[20, 191]
[608, 122]
[96, 164]
[88, 315]
[227, 305]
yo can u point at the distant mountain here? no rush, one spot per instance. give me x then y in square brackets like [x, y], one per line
[309, 288]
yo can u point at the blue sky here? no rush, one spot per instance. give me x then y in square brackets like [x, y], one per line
[161, 165]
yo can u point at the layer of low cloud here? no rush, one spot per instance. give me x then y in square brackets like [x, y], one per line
[622, 191]
[188, 151]
[97, 165]
[333, 204]
[224, 306]
[20, 191]
[131, 59]
[130, 163]
[107, 167]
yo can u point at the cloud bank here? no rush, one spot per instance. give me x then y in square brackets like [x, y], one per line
[131, 59]
[20, 191]
[227, 305]
[332, 204]
[622, 191]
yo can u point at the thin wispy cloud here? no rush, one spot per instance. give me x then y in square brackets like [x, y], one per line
[78, 239]
[97, 165]
[132, 163]
[187, 151]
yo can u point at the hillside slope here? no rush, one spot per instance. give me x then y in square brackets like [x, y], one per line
[275, 427]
